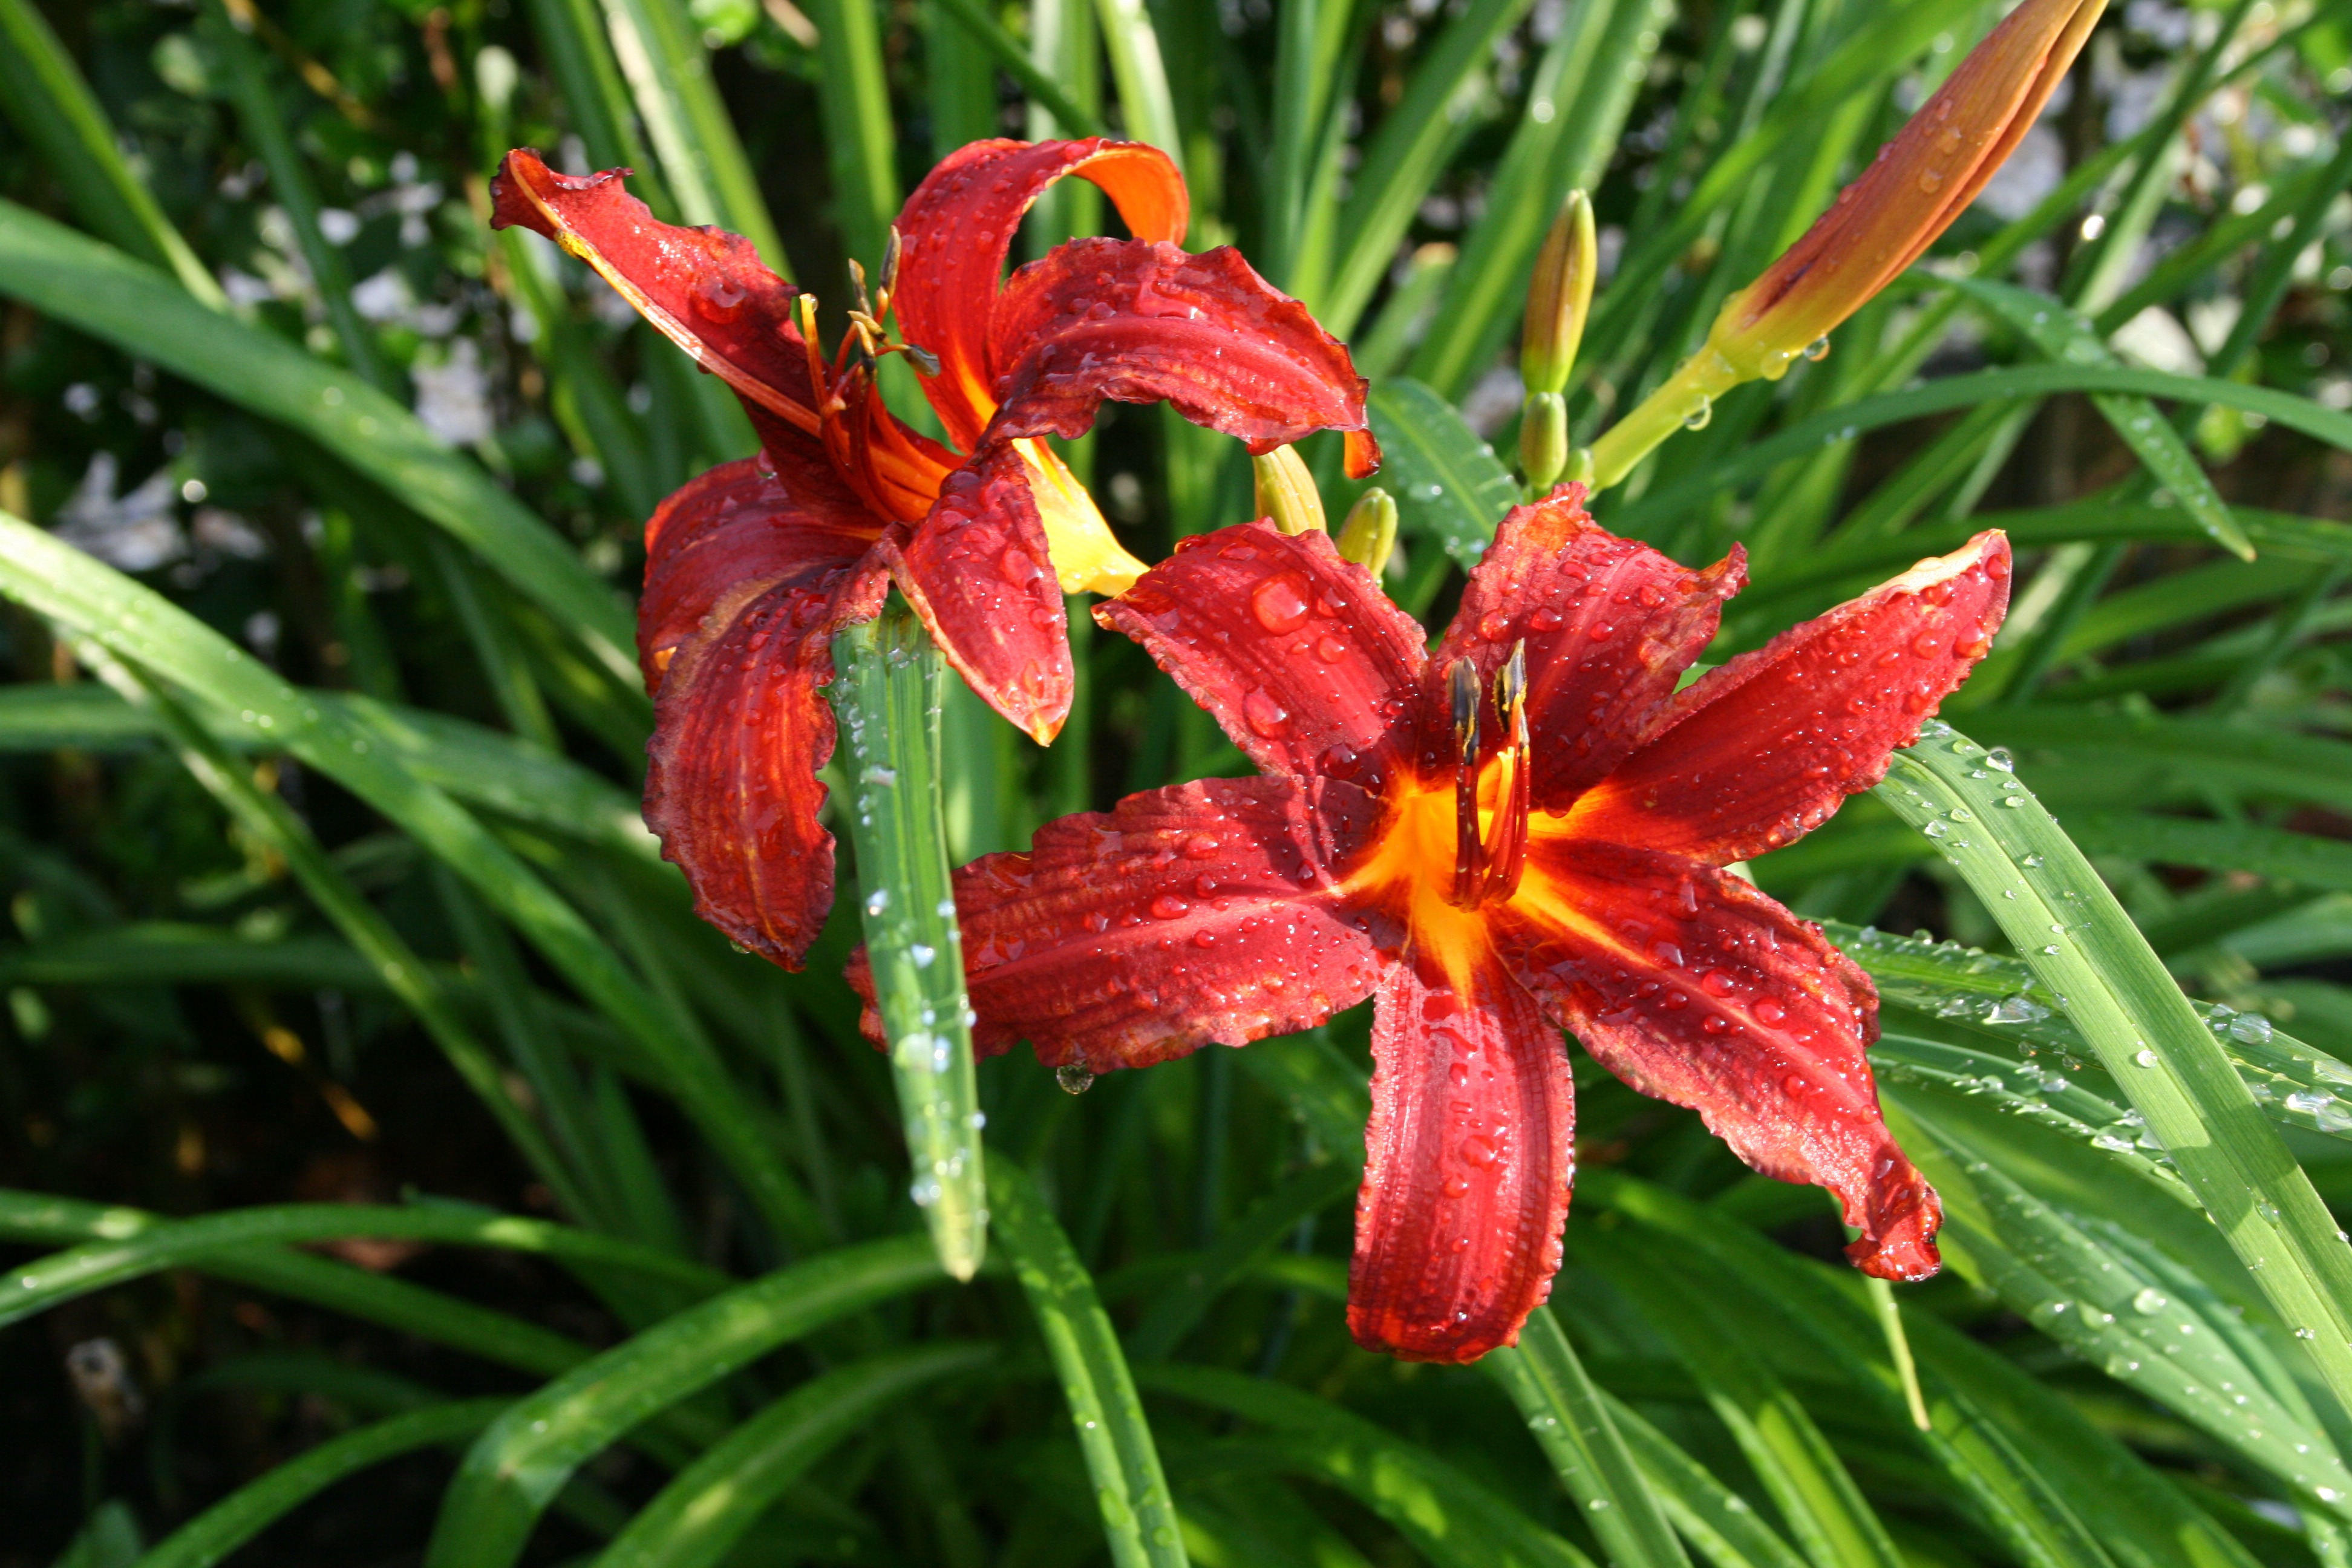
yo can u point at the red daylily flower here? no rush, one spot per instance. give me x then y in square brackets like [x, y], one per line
[752, 567]
[1523, 833]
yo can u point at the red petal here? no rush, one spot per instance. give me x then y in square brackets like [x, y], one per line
[741, 522]
[979, 572]
[740, 731]
[705, 289]
[1469, 1158]
[1759, 751]
[959, 226]
[1308, 664]
[1139, 322]
[1203, 913]
[1610, 625]
[1692, 987]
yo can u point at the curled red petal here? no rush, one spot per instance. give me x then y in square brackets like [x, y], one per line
[1203, 913]
[1136, 321]
[1468, 1159]
[1760, 751]
[1693, 987]
[740, 731]
[1610, 626]
[979, 572]
[1307, 664]
[706, 289]
[956, 230]
[745, 521]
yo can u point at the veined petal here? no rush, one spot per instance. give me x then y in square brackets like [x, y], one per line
[1137, 322]
[1086, 559]
[740, 731]
[705, 289]
[1921, 181]
[897, 470]
[956, 230]
[1307, 664]
[1203, 913]
[1469, 1158]
[743, 521]
[1610, 626]
[978, 572]
[1758, 752]
[1693, 987]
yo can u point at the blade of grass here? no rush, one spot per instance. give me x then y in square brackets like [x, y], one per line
[245, 1513]
[372, 1297]
[695, 1520]
[888, 695]
[660, 52]
[1139, 1516]
[1576, 103]
[1403, 159]
[1276, 1216]
[52, 105]
[1664, 502]
[1713, 1518]
[100, 291]
[861, 147]
[1451, 1519]
[1577, 1433]
[1010, 55]
[142, 627]
[1146, 107]
[45, 1282]
[2145, 1032]
[515, 1467]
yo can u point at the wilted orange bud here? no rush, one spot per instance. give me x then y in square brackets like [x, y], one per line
[1921, 181]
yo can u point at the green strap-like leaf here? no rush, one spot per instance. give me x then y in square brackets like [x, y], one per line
[51, 103]
[45, 1282]
[1174, 1314]
[148, 631]
[1450, 488]
[1137, 1514]
[518, 1465]
[1450, 1518]
[1578, 1433]
[2054, 329]
[888, 695]
[1010, 56]
[1710, 1515]
[696, 1520]
[98, 289]
[2061, 918]
[253, 1508]
[1668, 502]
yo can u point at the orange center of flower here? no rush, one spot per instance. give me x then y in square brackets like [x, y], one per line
[1454, 844]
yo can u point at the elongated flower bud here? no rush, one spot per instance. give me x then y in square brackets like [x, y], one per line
[1560, 297]
[1879, 224]
[1286, 492]
[1369, 536]
[1543, 440]
[1921, 181]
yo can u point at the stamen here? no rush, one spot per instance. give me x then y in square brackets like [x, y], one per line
[891, 256]
[858, 281]
[820, 382]
[1506, 856]
[1469, 854]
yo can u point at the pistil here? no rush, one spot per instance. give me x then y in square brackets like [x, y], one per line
[1488, 866]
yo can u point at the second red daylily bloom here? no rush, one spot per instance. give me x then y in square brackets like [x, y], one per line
[752, 567]
[1523, 833]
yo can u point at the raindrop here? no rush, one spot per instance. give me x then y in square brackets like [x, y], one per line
[1076, 1078]
[2251, 1029]
[1698, 418]
[2150, 1300]
[1818, 349]
[2144, 1056]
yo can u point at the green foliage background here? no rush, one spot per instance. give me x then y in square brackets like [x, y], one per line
[397, 1170]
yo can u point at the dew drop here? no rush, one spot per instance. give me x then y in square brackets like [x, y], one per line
[1281, 603]
[1076, 1078]
[1266, 716]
